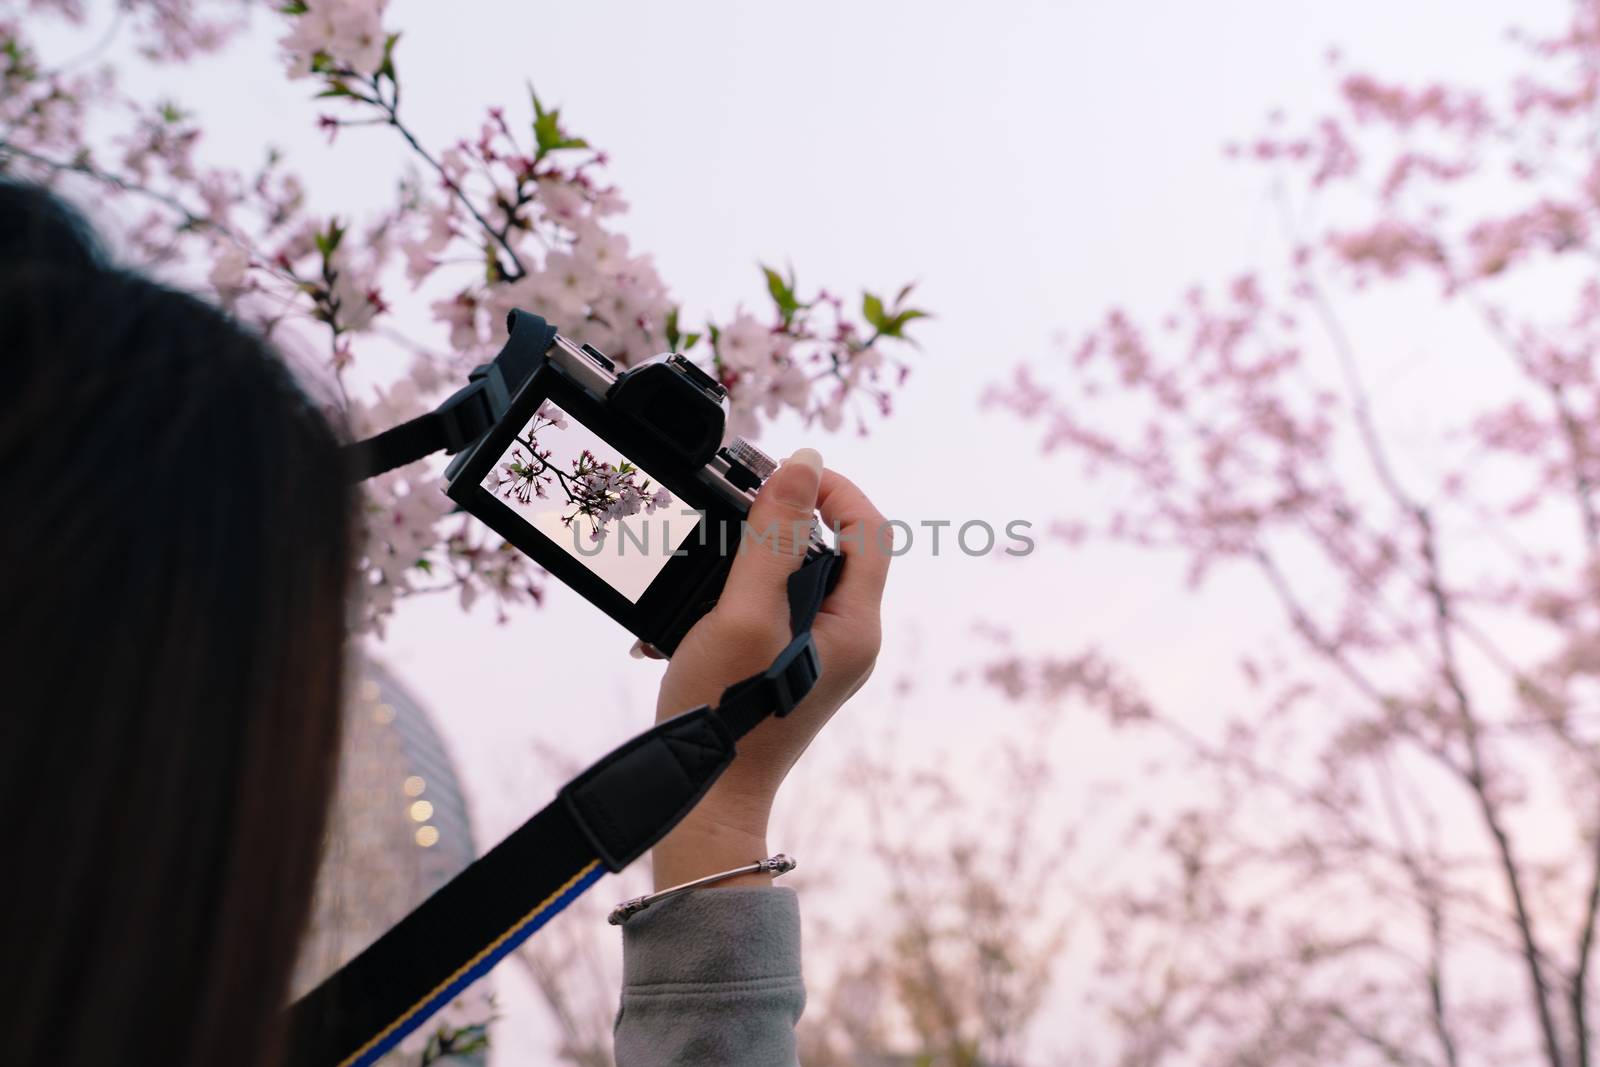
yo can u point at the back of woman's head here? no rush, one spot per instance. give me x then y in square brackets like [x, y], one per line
[173, 559]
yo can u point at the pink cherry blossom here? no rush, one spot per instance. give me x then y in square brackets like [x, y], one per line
[514, 211]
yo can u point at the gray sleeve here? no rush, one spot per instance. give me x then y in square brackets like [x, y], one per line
[712, 978]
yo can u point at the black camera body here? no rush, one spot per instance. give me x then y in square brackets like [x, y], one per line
[617, 484]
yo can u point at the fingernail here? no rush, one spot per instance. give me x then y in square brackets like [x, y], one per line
[637, 651]
[807, 457]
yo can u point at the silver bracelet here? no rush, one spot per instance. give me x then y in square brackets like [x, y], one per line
[773, 865]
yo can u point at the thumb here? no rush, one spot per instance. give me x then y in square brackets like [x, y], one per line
[776, 533]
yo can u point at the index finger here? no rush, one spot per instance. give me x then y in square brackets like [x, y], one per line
[861, 531]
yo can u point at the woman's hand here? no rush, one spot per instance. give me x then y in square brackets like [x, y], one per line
[744, 633]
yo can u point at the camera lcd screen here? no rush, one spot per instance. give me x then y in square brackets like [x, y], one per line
[598, 505]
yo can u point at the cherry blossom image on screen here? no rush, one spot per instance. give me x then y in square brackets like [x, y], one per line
[602, 508]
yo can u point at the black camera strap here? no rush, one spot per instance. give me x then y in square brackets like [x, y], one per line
[602, 820]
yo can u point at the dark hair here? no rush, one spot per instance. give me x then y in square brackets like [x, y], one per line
[174, 553]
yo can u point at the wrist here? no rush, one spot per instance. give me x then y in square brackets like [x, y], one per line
[716, 836]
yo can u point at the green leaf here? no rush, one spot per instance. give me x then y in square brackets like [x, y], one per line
[387, 67]
[547, 131]
[294, 7]
[895, 325]
[782, 293]
[677, 341]
[335, 88]
[905, 291]
[19, 60]
[491, 264]
[900, 320]
[872, 311]
[328, 242]
[672, 330]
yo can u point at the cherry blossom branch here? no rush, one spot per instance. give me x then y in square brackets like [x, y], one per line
[1301, 619]
[1578, 451]
[115, 181]
[598, 491]
[1477, 779]
[190, 221]
[1583, 492]
[1372, 442]
[1392, 1052]
[1476, 775]
[98, 47]
[1427, 890]
[391, 112]
[1580, 979]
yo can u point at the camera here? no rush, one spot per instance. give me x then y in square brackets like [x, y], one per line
[618, 484]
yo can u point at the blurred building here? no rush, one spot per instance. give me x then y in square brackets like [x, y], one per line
[400, 830]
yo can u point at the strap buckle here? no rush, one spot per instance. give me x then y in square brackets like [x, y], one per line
[793, 673]
[775, 691]
[468, 412]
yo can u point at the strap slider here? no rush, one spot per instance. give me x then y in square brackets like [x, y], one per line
[468, 412]
[793, 673]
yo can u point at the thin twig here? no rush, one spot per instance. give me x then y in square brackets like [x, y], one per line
[1475, 774]
[391, 110]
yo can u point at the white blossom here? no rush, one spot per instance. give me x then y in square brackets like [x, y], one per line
[788, 385]
[228, 272]
[599, 253]
[548, 412]
[563, 201]
[745, 343]
[349, 32]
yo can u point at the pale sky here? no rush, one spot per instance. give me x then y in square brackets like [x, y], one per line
[1027, 163]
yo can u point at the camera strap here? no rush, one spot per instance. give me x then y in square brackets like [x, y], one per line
[465, 415]
[601, 821]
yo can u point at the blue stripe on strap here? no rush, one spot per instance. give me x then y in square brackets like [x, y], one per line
[475, 968]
